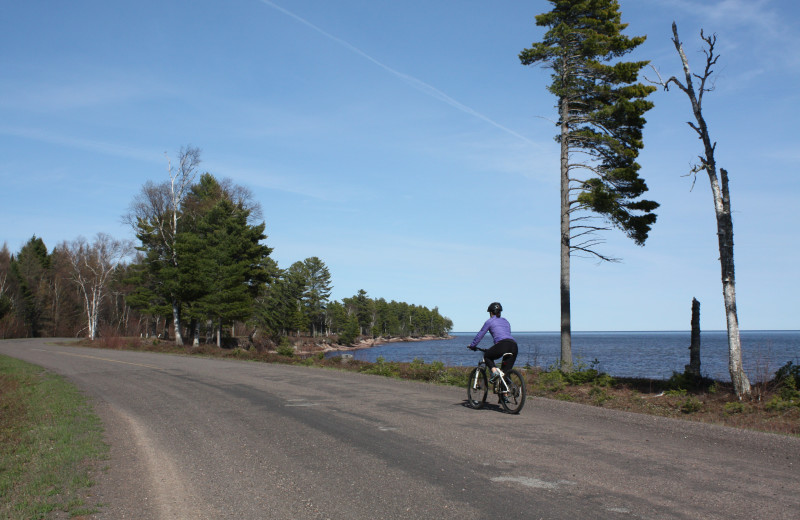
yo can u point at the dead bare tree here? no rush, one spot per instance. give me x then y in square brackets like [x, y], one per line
[722, 200]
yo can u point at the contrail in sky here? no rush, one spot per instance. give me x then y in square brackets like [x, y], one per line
[414, 82]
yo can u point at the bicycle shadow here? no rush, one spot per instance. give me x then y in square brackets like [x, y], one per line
[490, 407]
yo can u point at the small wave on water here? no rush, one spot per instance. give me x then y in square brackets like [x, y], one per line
[653, 355]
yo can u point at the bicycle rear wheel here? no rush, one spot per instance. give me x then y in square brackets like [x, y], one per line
[477, 388]
[514, 399]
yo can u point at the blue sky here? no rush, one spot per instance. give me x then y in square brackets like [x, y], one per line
[404, 144]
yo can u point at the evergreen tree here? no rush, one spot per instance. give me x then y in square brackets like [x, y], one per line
[224, 260]
[351, 330]
[335, 317]
[278, 306]
[30, 271]
[317, 292]
[144, 296]
[601, 108]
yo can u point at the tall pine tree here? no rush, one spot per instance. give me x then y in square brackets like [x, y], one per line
[226, 262]
[601, 108]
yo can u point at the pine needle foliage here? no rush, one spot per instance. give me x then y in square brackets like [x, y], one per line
[601, 110]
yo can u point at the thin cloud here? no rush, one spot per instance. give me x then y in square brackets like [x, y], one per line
[82, 144]
[294, 183]
[87, 92]
[410, 80]
[762, 18]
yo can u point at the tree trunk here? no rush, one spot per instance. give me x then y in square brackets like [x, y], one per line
[176, 322]
[196, 340]
[566, 327]
[693, 368]
[722, 203]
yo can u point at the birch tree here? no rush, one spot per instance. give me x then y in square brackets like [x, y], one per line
[154, 215]
[695, 86]
[92, 266]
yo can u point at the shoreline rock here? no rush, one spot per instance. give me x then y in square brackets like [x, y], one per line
[374, 342]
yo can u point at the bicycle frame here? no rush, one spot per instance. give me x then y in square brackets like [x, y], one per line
[501, 378]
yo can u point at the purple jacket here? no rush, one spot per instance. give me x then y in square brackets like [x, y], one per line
[499, 328]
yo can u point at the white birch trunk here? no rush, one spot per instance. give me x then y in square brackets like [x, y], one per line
[176, 322]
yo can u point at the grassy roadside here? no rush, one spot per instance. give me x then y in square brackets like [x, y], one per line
[49, 441]
[774, 408]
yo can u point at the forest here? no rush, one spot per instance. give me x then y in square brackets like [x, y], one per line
[199, 272]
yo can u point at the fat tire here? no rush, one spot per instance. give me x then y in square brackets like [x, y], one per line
[516, 400]
[476, 393]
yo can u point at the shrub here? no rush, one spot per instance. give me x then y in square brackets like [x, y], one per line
[680, 381]
[285, 348]
[788, 379]
[382, 368]
[789, 374]
[556, 378]
[605, 380]
[778, 404]
[239, 352]
[583, 374]
[580, 377]
[553, 381]
[735, 407]
[109, 337]
[599, 395]
[418, 370]
[691, 405]
[454, 377]
[788, 391]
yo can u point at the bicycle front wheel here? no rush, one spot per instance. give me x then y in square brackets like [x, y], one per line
[514, 399]
[477, 388]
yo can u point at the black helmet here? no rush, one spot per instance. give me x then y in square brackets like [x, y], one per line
[495, 308]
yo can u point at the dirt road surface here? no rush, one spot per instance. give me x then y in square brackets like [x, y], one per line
[195, 438]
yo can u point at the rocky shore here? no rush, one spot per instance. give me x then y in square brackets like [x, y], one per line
[329, 344]
[374, 342]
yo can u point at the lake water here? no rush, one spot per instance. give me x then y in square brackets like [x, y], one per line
[654, 355]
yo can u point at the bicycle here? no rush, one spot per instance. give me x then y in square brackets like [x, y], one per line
[510, 387]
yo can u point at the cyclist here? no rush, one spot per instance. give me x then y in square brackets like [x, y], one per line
[504, 343]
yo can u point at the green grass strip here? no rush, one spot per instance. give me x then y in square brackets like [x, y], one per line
[50, 440]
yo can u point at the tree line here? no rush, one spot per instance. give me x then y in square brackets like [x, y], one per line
[199, 271]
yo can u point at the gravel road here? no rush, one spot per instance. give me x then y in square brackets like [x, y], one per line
[201, 438]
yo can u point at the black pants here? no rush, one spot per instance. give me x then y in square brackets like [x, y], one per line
[506, 346]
